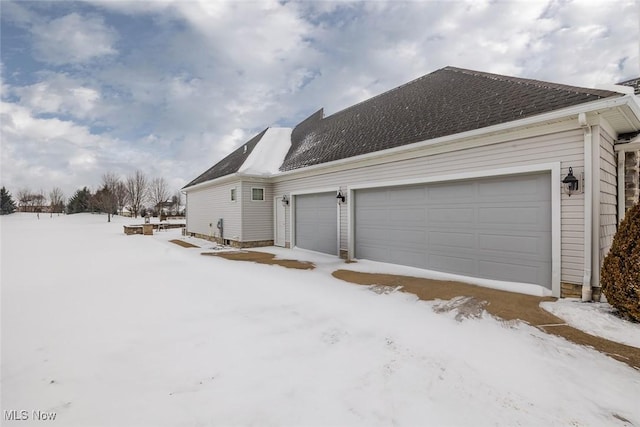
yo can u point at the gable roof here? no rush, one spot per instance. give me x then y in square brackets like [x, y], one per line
[445, 102]
[634, 83]
[230, 164]
[261, 156]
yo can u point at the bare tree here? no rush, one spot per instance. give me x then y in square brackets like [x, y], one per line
[31, 201]
[137, 188]
[38, 201]
[106, 196]
[176, 201]
[56, 201]
[24, 199]
[158, 193]
[120, 193]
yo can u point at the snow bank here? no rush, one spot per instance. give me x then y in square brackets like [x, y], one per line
[366, 266]
[109, 330]
[595, 319]
[269, 153]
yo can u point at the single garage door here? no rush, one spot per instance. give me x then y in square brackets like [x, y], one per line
[316, 222]
[495, 228]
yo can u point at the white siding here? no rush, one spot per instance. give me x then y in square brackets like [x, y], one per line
[608, 193]
[209, 204]
[257, 216]
[565, 147]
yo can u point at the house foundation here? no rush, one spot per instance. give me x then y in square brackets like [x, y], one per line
[232, 243]
[572, 290]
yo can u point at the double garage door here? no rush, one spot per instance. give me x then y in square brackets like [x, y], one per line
[494, 228]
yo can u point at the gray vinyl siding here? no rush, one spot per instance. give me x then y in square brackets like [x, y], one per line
[207, 205]
[608, 193]
[257, 216]
[565, 147]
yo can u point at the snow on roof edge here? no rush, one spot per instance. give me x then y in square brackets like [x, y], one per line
[269, 153]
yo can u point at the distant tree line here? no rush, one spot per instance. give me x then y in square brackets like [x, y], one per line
[134, 195]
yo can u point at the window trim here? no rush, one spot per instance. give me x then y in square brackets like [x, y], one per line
[263, 194]
[233, 194]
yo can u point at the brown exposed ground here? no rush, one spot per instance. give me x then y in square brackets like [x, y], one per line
[502, 304]
[183, 243]
[263, 258]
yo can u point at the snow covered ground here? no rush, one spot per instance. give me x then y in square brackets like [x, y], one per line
[595, 319]
[104, 329]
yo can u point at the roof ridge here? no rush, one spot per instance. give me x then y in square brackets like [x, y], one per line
[384, 93]
[533, 82]
[210, 173]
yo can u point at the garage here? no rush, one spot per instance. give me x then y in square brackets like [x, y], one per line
[316, 222]
[494, 228]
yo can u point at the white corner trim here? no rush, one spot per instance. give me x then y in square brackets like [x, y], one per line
[556, 229]
[595, 208]
[556, 223]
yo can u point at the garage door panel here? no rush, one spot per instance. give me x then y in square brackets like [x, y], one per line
[452, 264]
[441, 192]
[374, 216]
[496, 228]
[511, 272]
[501, 188]
[408, 216]
[316, 226]
[452, 239]
[407, 195]
[394, 255]
[451, 215]
[524, 215]
[530, 245]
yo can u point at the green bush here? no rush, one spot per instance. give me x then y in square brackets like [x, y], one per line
[620, 278]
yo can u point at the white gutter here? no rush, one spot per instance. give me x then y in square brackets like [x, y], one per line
[204, 184]
[602, 104]
[588, 206]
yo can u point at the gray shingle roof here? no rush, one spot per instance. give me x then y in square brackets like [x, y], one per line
[230, 164]
[634, 83]
[445, 102]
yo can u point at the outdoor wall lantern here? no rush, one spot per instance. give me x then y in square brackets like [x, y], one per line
[341, 197]
[570, 183]
[285, 200]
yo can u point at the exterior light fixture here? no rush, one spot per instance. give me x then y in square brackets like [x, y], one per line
[341, 197]
[570, 183]
[285, 200]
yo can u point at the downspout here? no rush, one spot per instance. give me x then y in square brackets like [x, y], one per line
[588, 206]
[621, 194]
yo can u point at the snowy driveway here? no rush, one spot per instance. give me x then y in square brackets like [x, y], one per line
[104, 329]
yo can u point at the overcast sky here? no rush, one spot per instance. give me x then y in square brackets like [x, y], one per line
[172, 87]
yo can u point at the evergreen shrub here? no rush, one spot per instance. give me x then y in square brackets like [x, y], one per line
[620, 276]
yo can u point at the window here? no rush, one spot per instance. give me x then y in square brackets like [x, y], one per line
[233, 194]
[257, 194]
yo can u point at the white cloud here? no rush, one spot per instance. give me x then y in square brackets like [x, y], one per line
[73, 39]
[58, 93]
